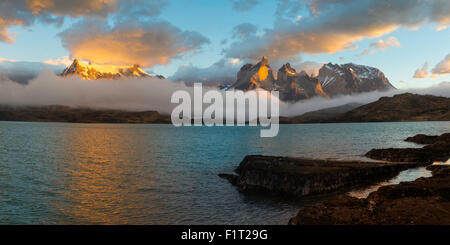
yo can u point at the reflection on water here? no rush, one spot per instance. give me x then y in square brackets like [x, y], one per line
[404, 176]
[100, 164]
[56, 173]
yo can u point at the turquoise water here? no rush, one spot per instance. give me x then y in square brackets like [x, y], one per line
[57, 173]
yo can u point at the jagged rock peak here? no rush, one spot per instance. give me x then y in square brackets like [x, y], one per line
[264, 61]
[352, 78]
[255, 76]
[94, 72]
[287, 67]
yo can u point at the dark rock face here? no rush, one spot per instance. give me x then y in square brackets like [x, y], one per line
[425, 201]
[295, 86]
[351, 79]
[332, 80]
[422, 139]
[400, 155]
[255, 76]
[299, 177]
[437, 150]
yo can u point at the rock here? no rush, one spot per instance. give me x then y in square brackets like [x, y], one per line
[295, 86]
[351, 78]
[437, 150]
[400, 155]
[333, 80]
[232, 178]
[425, 201]
[95, 72]
[300, 176]
[255, 76]
[422, 139]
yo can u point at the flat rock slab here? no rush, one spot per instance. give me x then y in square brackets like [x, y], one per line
[301, 176]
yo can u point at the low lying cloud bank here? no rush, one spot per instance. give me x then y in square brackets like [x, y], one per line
[223, 71]
[317, 103]
[22, 71]
[151, 94]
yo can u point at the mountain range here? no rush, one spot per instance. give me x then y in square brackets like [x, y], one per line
[96, 72]
[332, 80]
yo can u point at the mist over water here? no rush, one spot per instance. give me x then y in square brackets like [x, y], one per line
[152, 94]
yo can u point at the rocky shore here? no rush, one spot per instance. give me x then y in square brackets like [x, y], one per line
[299, 177]
[437, 149]
[425, 201]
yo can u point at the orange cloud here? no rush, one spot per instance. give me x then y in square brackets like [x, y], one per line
[381, 45]
[72, 8]
[422, 72]
[145, 44]
[442, 67]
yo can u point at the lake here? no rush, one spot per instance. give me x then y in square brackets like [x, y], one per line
[61, 173]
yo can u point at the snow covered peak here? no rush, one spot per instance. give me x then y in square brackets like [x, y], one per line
[361, 71]
[351, 78]
[95, 72]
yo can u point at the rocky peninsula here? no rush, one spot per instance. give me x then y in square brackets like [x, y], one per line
[423, 201]
[437, 149]
[299, 177]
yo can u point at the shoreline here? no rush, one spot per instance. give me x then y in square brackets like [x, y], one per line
[299, 177]
[424, 201]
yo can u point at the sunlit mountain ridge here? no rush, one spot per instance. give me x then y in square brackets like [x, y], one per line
[95, 71]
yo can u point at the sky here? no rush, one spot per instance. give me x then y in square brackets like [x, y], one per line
[210, 40]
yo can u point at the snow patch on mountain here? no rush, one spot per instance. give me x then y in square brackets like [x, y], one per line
[95, 72]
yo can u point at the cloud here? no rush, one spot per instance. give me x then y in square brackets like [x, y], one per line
[27, 12]
[22, 72]
[6, 60]
[223, 71]
[146, 43]
[334, 26]
[64, 61]
[126, 94]
[244, 5]
[310, 67]
[422, 72]
[442, 67]
[317, 103]
[151, 94]
[139, 9]
[244, 30]
[381, 45]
